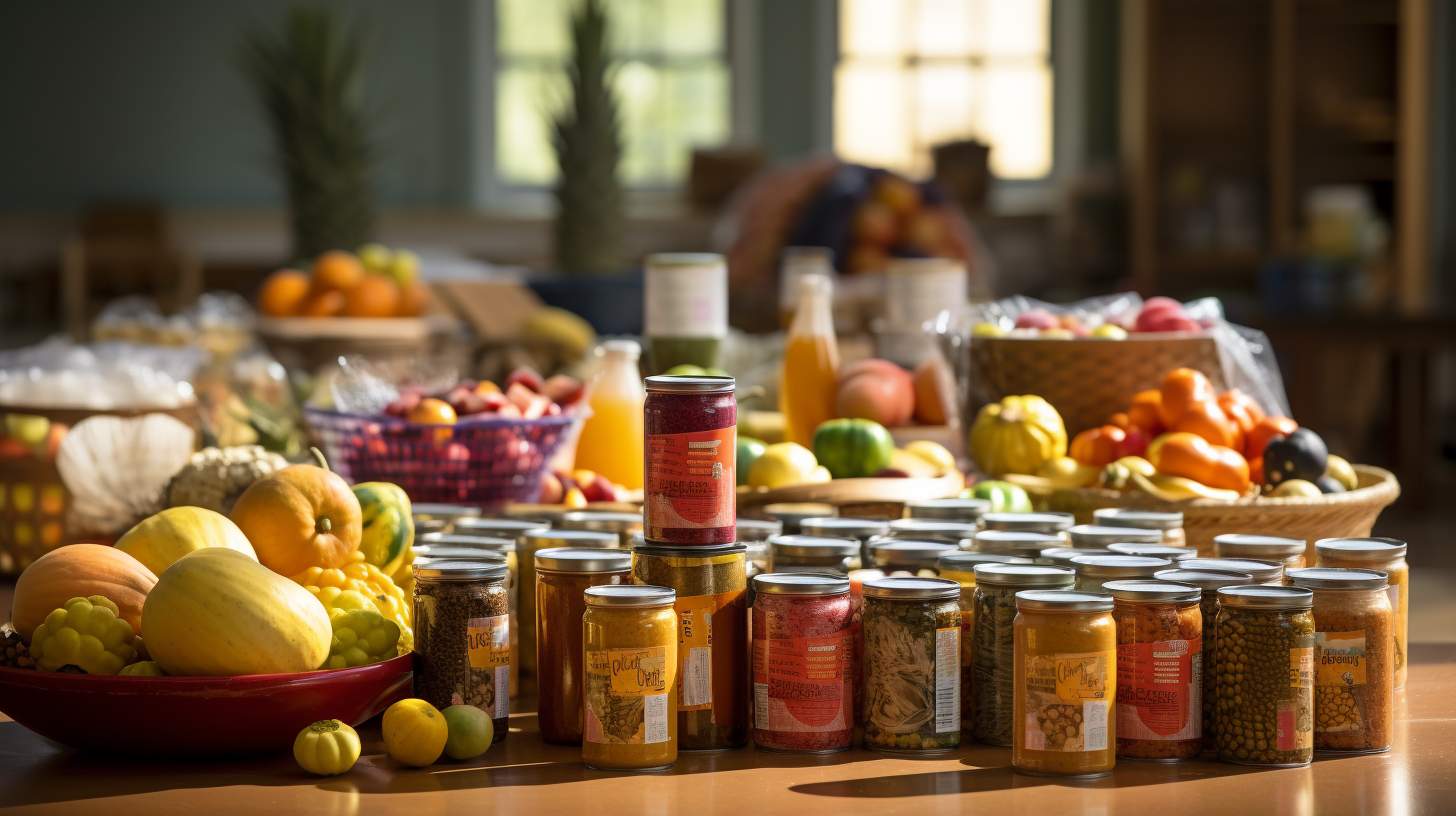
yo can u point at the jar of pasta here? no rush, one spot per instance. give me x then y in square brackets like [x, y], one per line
[911, 665]
[1264, 664]
[1270, 573]
[903, 556]
[1288, 552]
[1159, 665]
[1354, 667]
[1388, 556]
[1065, 684]
[991, 648]
[1013, 542]
[1174, 554]
[965, 511]
[1049, 523]
[527, 545]
[1170, 524]
[804, 670]
[804, 553]
[1062, 556]
[562, 577]
[711, 583]
[1209, 582]
[462, 637]
[1099, 537]
[960, 566]
[921, 529]
[622, 525]
[629, 654]
[1093, 571]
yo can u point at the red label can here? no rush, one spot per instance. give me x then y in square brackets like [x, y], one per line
[691, 426]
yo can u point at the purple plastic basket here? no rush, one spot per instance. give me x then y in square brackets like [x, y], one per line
[486, 462]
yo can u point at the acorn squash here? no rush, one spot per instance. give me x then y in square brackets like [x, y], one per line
[389, 526]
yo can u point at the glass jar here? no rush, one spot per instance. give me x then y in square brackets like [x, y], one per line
[964, 511]
[910, 557]
[804, 553]
[1264, 664]
[1388, 556]
[629, 654]
[1169, 524]
[803, 663]
[712, 608]
[435, 517]
[1263, 572]
[622, 525]
[1098, 537]
[463, 638]
[960, 566]
[459, 547]
[498, 527]
[1050, 523]
[1159, 666]
[691, 493]
[546, 515]
[1209, 582]
[685, 308]
[1174, 554]
[1354, 664]
[790, 516]
[860, 529]
[752, 530]
[912, 689]
[918, 529]
[1288, 552]
[1064, 684]
[562, 577]
[1093, 571]
[1062, 556]
[531, 542]
[991, 648]
[1012, 542]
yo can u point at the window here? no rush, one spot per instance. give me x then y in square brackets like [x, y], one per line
[915, 73]
[671, 77]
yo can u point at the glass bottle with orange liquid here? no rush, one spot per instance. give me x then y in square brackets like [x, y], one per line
[807, 383]
[612, 438]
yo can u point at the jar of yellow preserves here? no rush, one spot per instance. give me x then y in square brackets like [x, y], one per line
[1388, 556]
[1065, 684]
[629, 655]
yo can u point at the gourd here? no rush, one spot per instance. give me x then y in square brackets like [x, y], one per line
[850, 448]
[388, 526]
[332, 588]
[159, 540]
[216, 612]
[85, 633]
[326, 748]
[1016, 435]
[302, 516]
[80, 571]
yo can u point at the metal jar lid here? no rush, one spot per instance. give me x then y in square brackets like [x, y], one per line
[912, 589]
[1154, 551]
[1205, 578]
[459, 572]
[1143, 591]
[426, 553]
[542, 514]
[680, 384]
[541, 539]
[574, 559]
[1263, 571]
[966, 561]
[1024, 575]
[629, 595]
[898, 552]
[800, 583]
[1264, 547]
[962, 510]
[1332, 578]
[789, 514]
[1141, 519]
[498, 527]
[838, 527]
[918, 528]
[1095, 535]
[1028, 522]
[602, 521]
[435, 510]
[806, 546]
[1062, 556]
[703, 551]
[1361, 549]
[1119, 566]
[1062, 600]
[1262, 596]
[758, 529]
[470, 542]
[1013, 542]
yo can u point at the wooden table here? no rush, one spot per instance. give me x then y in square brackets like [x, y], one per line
[526, 777]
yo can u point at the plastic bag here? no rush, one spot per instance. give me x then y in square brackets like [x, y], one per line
[59, 373]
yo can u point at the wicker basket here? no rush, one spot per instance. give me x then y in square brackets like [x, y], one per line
[1086, 379]
[1330, 516]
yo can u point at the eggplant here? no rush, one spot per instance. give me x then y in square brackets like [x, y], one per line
[1300, 455]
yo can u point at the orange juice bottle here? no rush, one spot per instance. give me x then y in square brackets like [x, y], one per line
[611, 439]
[807, 383]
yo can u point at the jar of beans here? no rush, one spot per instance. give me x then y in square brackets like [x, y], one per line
[1095, 570]
[991, 648]
[1097, 536]
[1013, 542]
[965, 511]
[1210, 582]
[911, 665]
[803, 663]
[1288, 552]
[463, 637]
[960, 566]
[1159, 665]
[1264, 664]
[1388, 556]
[1354, 668]
[1050, 523]
[1269, 573]
[1170, 525]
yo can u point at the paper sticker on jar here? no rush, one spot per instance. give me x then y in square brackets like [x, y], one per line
[1301, 667]
[947, 679]
[489, 652]
[695, 649]
[1341, 659]
[799, 684]
[1159, 690]
[690, 482]
[626, 699]
[1066, 701]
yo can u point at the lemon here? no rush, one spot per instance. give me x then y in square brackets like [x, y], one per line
[934, 453]
[414, 732]
[782, 464]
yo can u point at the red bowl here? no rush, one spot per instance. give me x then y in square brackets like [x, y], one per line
[197, 716]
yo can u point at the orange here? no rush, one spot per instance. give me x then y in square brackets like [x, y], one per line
[337, 269]
[302, 516]
[329, 303]
[414, 299]
[432, 411]
[283, 293]
[374, 296]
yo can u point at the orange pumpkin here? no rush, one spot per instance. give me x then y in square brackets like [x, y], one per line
[1097, 447]
[80, 571]
[1184, 390]
[1208, 420]
[1265, 431]
[1192, 457]
[302, 516]
[1146, 411]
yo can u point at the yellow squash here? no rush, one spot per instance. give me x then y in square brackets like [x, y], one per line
[1017, 435]
[159, 540]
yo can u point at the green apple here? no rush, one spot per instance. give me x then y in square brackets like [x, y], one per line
[686, 370]
[405, 267]
[376, 258]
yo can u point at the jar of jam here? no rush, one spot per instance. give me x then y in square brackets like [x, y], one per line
[530, 543]
[964, 511]
[463, 637]
[1013, 542]
[1209, 582]
[1263, 572]
[562, 577]
[1170, 524]
[623, 525]
[1050, 523]
[1388, 556]
[691, 436]
[805, 553]
[1174, 554]
[804, 672]
[1159, 668]
[1096, 536]
[1095, 570]
[1286, 551]
[629, 655]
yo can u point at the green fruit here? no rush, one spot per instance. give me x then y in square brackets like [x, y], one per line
[851, 448]
[749, 449]
[471, 731]
[686, 370]
[1003, 496]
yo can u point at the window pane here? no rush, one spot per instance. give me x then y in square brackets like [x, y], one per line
[943, 28]
[871, 120]
[1018, 28]
[533, 28]
[666, 112]
[945, 106]
[1018, 121]
[873, 28]
[525, 99]
[690, 27]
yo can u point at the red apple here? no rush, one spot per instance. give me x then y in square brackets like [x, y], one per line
[1037, 319]
[564, 390]
[552, 491]
[526, 377]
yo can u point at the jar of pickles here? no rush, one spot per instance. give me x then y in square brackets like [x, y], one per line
[1209, 582]
[1263, 572]
[528, 544]
[1049, 523]
[629, 655]
[791, 515]
[965, 511]
[904, 556]
[1098, 537]
[919, 529]
[1093, 571]
[1065, 684]
[911, 665]
[1013, 542]
[804, 553]
[960, 566]
[623, 525]
[1170, 524]
[463, 637]
[1063, 556]
[1388, 556]
[1288, 552]
[562, 577]
[804, 672]
[1354, 666]
[1159, 665]
[991, 648]
[1264, 665]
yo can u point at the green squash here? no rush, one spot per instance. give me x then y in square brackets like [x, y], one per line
[851, 448]
[389, 524]
[1003, 496]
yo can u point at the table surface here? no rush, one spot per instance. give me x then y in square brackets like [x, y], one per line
[525, 776]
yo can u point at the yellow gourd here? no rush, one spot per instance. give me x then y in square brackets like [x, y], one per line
[161, 539]
[385, 597]
[414, 732]
[326, 748]
[1017, 435]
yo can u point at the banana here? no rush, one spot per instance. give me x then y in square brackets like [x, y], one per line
[1117, 474]
[1178, 489]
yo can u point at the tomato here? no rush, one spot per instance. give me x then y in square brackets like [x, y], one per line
[1098, 446]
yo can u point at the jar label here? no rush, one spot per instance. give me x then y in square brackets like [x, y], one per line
[626, 695]
[489, 650]
[1291, 731]
[690, 481]
[1301, 667]
[1340, 660]
[686, 301]
[1067, 701]
[695, 648]
[948, 679]
[1159, 690]
[799, 683]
